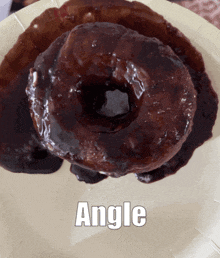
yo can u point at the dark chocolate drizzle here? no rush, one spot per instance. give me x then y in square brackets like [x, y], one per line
[204, 120]
[87, 175]
[21, 150]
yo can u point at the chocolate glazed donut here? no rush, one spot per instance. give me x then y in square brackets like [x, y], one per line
[74, 115]
[68, 89]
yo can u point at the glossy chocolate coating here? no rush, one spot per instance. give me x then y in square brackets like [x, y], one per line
[86, 175]
[138, 17]
[66, 94]
[204, 119]
[21, 150]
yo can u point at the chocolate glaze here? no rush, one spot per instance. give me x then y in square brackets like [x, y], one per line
[65, 97]
[204, 119]
[136, 16]
[21, 150]
[87, 175]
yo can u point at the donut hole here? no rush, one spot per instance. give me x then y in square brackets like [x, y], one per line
[106, 102]
[116, 103]
[107, 106]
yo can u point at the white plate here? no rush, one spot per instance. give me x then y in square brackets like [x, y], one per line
[37, 212]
